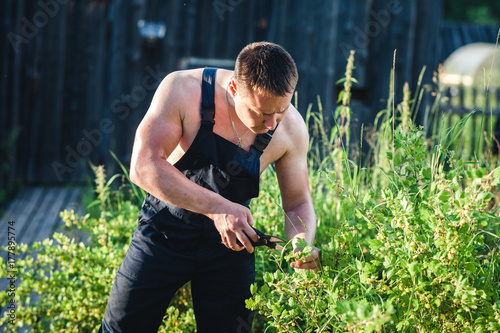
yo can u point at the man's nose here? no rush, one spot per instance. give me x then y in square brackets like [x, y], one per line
[271, 122]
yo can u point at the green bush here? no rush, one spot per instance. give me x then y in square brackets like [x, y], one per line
[63, 284]
[430, 265]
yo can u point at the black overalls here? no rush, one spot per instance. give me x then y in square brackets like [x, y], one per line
[172, 246]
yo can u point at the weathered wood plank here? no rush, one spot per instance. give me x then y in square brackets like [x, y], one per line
[15, 205]
[71, 201]
[47, 217]
[46, 203]
[38, 217]
[35, 212]
[24, 211]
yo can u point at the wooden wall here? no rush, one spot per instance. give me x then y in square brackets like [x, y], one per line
[455, 35]
[76, 76]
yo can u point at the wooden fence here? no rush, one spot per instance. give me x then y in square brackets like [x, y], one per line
[481, 132]
[460, 100]
[455, 35]
[77, 76]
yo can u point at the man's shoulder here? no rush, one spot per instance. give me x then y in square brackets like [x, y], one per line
[290, 139]
[294, 125]
[179, 90]
[183, 81]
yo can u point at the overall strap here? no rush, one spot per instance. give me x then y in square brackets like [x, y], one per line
[261, 142]
[207, 108]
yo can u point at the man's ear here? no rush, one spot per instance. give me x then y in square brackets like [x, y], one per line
[232, 87]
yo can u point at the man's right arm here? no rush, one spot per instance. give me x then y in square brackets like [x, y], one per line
[157, 136]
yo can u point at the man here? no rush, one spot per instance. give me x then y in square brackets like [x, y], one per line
[198, 153]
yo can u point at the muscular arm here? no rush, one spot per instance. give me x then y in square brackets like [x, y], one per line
[157, 136]
[291, 170]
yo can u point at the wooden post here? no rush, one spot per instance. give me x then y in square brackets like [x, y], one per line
[171, 11]
[15, 92]
[48, 113]
[497, 99]
[461, 98]
[118, 75]
[5, 128]
[190, 24]
[427, 47]
[95, 35]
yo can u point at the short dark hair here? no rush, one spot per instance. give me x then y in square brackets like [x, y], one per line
[267, 68]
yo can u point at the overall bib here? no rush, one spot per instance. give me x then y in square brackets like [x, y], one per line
[172, 246]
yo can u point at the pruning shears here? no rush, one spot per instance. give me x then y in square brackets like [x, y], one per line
[266, 240]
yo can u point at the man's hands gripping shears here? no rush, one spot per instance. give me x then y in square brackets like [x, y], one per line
[308, 257]
[238, 234]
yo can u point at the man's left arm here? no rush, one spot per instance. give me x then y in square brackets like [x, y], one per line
[293, 179]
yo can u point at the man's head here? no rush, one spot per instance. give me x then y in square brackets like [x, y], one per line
[266, 68]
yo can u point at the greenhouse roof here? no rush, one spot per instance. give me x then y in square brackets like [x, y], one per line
[472, 64]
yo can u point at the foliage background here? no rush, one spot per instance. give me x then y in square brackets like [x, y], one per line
[479, 11]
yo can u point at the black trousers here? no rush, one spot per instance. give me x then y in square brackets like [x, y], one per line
[158, 263]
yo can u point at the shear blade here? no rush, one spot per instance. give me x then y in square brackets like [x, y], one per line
[273, 239]
[278, 247]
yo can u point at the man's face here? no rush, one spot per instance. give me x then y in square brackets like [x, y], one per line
[260, 112]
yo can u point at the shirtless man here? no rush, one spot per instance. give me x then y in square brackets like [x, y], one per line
[198, 153]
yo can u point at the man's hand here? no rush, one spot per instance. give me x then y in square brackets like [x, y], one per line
[235, 225]
[310, 261]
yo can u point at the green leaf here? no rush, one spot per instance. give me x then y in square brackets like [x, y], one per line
[496, 176]
[268, 277]
[444, 196]
[414, 269]
[427, 173]
[301, 243]
[341, 96]
[253, 288]
[264, 289]
[455, 131]
[398, 160]
[276, 310]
